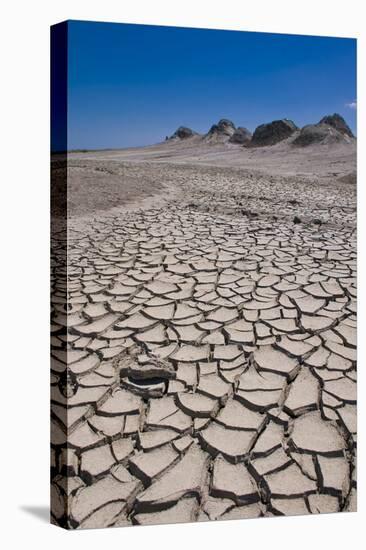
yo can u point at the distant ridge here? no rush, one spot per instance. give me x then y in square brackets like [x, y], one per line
[330, 129]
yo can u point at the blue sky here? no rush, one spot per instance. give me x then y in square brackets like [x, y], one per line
[132, 85]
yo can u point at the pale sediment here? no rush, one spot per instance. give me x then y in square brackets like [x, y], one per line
[211, 353]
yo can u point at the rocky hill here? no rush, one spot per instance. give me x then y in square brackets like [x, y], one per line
[241, 135]
[183, 133]
[337, 122]
[330, 129]
[273, 132]
[220, 132]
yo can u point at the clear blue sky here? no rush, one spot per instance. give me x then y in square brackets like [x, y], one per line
[134, 84]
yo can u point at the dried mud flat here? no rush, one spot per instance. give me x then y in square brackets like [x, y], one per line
[209, 330]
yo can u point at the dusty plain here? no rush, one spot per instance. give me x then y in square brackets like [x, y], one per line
[204, 335]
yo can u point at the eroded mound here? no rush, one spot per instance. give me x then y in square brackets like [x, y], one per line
[221, 131]
[337, 122]
[318, 133]
[241, 135]
[183, 133]
[273, 132]
[330, 129]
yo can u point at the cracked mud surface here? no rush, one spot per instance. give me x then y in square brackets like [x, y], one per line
[206, 349]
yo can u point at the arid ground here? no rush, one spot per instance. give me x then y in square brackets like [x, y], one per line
[211, 335]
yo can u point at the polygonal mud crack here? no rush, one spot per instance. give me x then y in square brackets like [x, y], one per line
[204, 360]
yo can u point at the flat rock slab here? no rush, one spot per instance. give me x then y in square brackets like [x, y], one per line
[289, 482]
[98, 460]
[98, 326]
[197, 405]
[290, 506]
[85, 364]
[251, 380]
[235, 415]
[185, 478]
[335, 474]
[323, 504]
[269, 439]
[303, 394]
[313, 434]
[102, 492]
[156, 438]
[344, 389]
[270, 359]
[165, 413]
[121, 402]
[233, 481]
[189, 353]
[213, 386]
[243, 512]
[232, 444]
[183, 512]
[146, 466]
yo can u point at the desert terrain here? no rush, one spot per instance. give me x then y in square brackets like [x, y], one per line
[204, 333]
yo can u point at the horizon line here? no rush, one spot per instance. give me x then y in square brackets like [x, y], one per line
[114, 148]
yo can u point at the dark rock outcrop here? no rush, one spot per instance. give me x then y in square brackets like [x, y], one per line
[317, 133]
[221, 131]
[337, 122]
[273, 132]
[241, 135]
[183, 133]
[330, 129]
